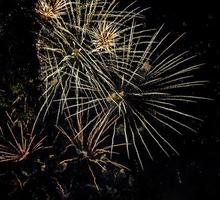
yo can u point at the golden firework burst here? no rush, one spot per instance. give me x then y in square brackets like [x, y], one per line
[105, 36]
[51, 8]
[16, 142]
[91, 141]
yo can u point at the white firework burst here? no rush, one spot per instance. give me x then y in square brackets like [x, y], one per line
[156, 82]
[51, 8]
[90, 140]
[70, 52]
[105, 61]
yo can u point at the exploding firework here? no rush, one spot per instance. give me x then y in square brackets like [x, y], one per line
[51, 8]
[90, 140]
[104, 61]
[16, 142]
[73, 50]
[150, 93]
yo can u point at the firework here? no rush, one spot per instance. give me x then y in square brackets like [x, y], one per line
[72, 50]
[51, 8]
[90, 139]
[104, 61]
[17, 142]
[155, 84]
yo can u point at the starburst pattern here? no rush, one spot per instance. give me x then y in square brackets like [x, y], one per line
[155, 83]
[51, 8]
[90, 139]
[71, 56]
[17, 142]
[104, 61]
[105, 37]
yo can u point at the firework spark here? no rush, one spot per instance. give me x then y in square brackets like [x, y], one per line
[104, 61]
[18, 143]
[90, 139]
[156, 83]
[51, 8]
[70, 50]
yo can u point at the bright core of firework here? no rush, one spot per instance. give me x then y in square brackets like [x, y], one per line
[105, 37]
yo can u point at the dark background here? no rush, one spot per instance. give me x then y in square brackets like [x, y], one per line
[195, 174]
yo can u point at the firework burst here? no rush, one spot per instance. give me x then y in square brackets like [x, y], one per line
[70, 49]
[51, 8]
[150, 93]
[17, 142]
[90, 141]
[105, 37]
[105, 62]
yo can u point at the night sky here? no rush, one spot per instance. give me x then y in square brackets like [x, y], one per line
[193, 175]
